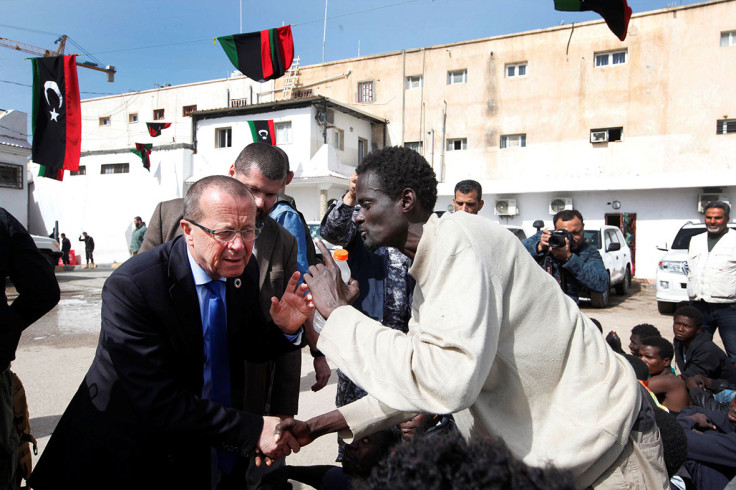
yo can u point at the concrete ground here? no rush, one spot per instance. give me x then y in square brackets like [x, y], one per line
[55, 353]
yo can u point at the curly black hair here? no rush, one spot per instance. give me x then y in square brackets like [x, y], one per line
[666, 350]
[645, 330]
[398, 168]
[448, 462]
[690, 312]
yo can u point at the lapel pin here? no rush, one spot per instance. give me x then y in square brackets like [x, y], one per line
[238, 282]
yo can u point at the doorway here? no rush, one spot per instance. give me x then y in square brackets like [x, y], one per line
[626, 222]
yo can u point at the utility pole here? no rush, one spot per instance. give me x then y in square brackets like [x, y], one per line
[324, 34]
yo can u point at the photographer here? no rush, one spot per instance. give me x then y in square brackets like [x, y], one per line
[565, 255]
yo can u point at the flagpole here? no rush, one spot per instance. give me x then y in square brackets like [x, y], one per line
[324, 34]
[241, 16]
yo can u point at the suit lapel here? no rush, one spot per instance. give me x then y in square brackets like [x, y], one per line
[264, 248]
[183, 293]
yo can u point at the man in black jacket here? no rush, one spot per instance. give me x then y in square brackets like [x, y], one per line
[38, 292]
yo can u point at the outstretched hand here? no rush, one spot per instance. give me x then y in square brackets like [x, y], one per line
[294, 308]
[273, 444]
[299, 430]
[326, 285]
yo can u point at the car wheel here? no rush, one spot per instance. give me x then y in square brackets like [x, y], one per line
[666, 308]
[623, 287]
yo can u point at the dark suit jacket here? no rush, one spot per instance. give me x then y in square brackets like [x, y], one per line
[32, 277]
[272, 387]
[138, 419]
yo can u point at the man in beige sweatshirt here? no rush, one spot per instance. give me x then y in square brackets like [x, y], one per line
[492, 339]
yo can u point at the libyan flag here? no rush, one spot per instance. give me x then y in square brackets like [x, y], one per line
[154, 129]
[263, 131]
[57, 115]
[616, 13]
[261, 56]
[143, 150]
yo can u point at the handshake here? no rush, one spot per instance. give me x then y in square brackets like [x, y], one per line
[283, 435]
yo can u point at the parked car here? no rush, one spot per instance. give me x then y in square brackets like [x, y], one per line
[314, 231]
[616, 254]
[49, 248]
[672, 268]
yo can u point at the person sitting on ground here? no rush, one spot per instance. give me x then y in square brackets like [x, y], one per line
[450, 462]
[427, 425]
[614, 342]
[697, 354]
[639, 332]
[670, 389]
[359, 458]
[711, 445]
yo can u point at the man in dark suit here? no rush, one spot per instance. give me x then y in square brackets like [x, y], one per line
[273, 387]
[144, 416]
[38, 292]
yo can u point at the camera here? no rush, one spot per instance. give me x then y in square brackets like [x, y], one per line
[557, 238]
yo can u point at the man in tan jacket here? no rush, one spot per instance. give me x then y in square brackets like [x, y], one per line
[492, 339]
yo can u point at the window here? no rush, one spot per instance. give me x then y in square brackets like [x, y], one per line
[300, 94]
[457, 144]
[457, 76]
[283, 132]
[239, 102]
[516, 70]
[11, 176]
[114, 168]
[604, 135]
[726, 126]
[158, 114]
[187, 110]
[82, 171]
[338, 139]
[414, 145]
[413, 82]
[132, 118]
[513, 140]
[610, 58]
[365, 92]
[362, 149]
[223, 137]
[105, 121]
[728, 38]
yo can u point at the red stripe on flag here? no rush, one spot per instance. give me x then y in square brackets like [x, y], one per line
[73, 114]
[271, 132]
[286, 46]
[266, 55]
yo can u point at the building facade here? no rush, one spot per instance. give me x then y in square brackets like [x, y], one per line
[14, 153]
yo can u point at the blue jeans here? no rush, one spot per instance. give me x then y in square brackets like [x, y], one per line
[721, 316]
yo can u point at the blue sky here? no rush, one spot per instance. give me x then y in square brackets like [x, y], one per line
[157, 42]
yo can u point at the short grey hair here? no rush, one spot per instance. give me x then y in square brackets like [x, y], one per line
[721, 205]
[228, 185]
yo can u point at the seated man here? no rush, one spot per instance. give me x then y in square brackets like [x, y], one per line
[574, 265]
[670, 389]
[428, 426]
[696, 353]
[711, 445]
[641, 331]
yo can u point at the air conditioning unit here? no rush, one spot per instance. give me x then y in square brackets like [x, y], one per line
[704, 199]
[599, 136]
[557, 204]
[505, 207]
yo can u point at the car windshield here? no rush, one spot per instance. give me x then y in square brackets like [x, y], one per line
[682, 240]
[592, 237]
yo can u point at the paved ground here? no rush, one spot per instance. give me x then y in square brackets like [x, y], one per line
[55, 352]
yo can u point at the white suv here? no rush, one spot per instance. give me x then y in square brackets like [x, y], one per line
[672, 268]
[616, 255]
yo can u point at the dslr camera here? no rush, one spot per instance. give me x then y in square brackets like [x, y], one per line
[557, 238]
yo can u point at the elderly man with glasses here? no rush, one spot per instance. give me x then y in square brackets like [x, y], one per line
[160, 407]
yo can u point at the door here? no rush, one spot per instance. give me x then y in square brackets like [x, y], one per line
[626, 222]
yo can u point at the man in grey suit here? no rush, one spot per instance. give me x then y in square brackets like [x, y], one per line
[271, 388]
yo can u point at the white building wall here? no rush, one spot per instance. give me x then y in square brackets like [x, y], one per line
[15, 150]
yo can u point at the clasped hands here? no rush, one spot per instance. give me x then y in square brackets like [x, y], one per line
[280, 437]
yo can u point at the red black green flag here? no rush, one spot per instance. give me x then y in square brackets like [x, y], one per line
[263, 55]
[616, 13]
[263, 131]
[143, 150]
[154, 129]
[57, 115]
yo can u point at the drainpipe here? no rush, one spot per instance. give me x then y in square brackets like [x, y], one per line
[403, 94]
[421, 105]
[444, 145]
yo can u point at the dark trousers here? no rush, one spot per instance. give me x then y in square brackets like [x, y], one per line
[88, 256]
[721, 316]
[65, 258]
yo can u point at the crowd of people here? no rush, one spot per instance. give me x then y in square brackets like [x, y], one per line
[446, 376]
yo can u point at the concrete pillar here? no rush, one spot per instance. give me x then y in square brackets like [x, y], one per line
[322, 202]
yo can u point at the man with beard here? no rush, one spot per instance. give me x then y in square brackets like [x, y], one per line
[711, 278]
[262, 169]
[492, 339]
[574, 265]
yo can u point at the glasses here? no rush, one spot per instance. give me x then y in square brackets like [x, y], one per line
[227, 236]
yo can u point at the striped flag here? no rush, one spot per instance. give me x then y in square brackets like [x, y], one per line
[263, 131]
[143, 150]
[154, 129]
[261, 56]
[616, 13]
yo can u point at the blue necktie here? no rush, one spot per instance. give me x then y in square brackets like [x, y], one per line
[219, 365]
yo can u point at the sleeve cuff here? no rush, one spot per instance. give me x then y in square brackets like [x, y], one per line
[296, 339]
